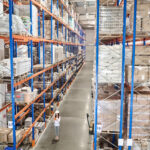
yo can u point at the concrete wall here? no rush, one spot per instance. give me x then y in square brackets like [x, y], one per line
[90, 41]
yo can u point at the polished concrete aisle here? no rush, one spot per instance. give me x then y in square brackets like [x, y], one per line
[74, 128]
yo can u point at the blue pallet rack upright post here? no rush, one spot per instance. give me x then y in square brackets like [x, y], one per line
[12, 74]
[120, 141]
[39, 33]
[52, 53]
[97, 60]
[43, 15]
[132, 80]
[31, 54]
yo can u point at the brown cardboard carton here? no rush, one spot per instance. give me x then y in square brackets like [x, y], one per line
[4, 132]
[141, 74]
[142, 50]
[19, 134]
[142, 60]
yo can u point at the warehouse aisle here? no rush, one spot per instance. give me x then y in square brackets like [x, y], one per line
[74, 128]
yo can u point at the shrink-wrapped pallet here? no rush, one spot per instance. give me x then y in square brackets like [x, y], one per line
[110, 63]
[17, 25]
[141, 116]
[21, 66]
[111, 20]
[109, 114]
[24, 10]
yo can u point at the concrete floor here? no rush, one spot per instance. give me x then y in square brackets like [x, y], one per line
[74, 128]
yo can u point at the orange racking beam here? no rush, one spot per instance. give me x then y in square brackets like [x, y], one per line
[23, 116]
[4, 107]
[44, 91]
[55, 82]
[55, 17]
[27, 79]
[41, 114]
[51, 14]
[25, 39]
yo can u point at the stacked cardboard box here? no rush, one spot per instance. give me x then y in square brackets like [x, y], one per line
[21, 66]
[141, 74]
[141, 99]
[47, 28]
[141, 116]
[19, 134]
[4, 132]
[23, 95]
[142, 20]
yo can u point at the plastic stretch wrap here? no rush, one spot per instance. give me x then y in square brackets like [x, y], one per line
[111, 20]
[22, 51]
[108, 114]
[141, 116]
[21, 66]
[24, 10]
[17, 26]
[110, 63]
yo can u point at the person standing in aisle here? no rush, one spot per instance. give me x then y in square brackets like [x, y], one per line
[57, 125]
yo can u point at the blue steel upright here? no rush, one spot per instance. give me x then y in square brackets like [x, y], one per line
[123, 71]
[97, 60]
[39, 33]
[57, 20]
[133, 63]
[52, 52]
[12, 74]
[43, 63]
[31, 32]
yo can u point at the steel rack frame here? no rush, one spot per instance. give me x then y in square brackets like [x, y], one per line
[125, 39]
[15, 40]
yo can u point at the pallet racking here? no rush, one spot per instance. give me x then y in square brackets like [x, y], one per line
[126, 88]
[75, 61]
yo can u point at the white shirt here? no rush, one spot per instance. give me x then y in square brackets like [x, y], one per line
[57, 122]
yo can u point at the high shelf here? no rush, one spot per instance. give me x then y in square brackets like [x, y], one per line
[59, 74]
[120, 82]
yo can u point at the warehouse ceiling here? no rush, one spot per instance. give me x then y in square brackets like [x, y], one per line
[87, 10]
